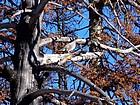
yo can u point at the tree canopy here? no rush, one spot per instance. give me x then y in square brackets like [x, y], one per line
[70, 52]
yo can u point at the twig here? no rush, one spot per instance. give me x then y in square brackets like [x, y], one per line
[71, 9]
[132, 2]
[72, 93]
[115, 13]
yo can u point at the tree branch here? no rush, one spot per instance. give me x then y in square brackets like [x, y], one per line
[29, 98]
[58, 39]
[20, 12]
[5, 59]
[115, 13]
[8, 25]
[38, 11]
[68, 8]
[84, 41]
[6, 39]
[131, 2]
[85, 80]
[129, 50]
[11, 1]
[8, 74]
[63, 58]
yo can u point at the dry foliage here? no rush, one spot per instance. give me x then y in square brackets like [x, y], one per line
[118, 74]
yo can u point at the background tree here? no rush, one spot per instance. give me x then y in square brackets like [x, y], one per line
[69, 52]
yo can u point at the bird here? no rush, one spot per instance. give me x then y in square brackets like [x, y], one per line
[69, 47]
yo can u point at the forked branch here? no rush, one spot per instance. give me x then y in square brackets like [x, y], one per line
[80, 77]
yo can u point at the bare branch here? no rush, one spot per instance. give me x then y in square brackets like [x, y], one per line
[83, 41]
[6, 39]
[20, 12]
[134, 4]
[28, 99]
[5, 59]
[129, 50]
[8, 74]
[38, 11]
[11, 1]
[84, 79]
[115, 13]
[63, 58]
[69, 47]
[58, 39]
[8, 25]
[68, 8]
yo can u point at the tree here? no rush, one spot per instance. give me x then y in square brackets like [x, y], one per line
[46, 59]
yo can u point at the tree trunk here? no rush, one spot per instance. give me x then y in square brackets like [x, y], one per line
[95, 22]
[26, 52]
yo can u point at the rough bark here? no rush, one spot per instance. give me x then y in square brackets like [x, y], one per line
[95, 21]
[95, 25]
[26, 50]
